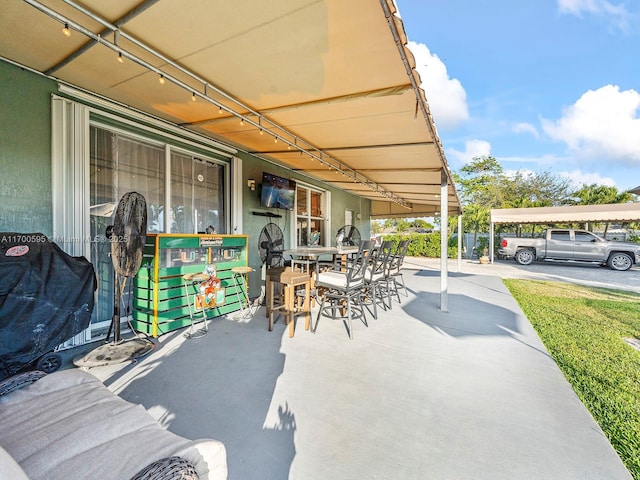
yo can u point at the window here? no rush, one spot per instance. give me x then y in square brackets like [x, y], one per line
[560, 236]
[310, 222]
[584, 237]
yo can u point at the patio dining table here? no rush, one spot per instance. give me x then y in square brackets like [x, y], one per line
[308, 257]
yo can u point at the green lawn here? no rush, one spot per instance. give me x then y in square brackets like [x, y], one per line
[584, 330]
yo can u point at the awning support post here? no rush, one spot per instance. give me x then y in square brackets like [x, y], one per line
[444, 229]
[460, 243]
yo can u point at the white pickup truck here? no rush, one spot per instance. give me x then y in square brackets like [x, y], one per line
[568, 245]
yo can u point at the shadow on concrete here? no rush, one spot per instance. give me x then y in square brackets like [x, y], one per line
[466, 321]
[469, 314]
[220, 386]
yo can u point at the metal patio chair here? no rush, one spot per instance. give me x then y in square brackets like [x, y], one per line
[377, 279]
[395, 270]
[343, 285]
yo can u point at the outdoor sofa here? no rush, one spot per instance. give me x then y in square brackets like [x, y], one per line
[69, 426]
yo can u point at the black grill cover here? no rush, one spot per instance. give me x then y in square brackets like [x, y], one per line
[46, 297]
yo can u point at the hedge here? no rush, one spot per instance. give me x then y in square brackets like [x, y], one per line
[425, 244]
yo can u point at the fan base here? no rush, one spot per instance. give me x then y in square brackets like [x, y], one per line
[113, 353]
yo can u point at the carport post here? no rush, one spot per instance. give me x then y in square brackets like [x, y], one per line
[491, 241]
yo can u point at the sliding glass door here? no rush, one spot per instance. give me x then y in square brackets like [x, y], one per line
[188, 198]
[197, 201]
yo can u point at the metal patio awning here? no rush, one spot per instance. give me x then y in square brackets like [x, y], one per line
[325, 87]
[619, 212]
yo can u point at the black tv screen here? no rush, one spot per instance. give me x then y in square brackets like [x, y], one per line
[277, 192]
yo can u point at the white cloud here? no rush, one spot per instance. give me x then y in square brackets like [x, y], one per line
[602, 125]
[524, 172]
[472, 149]
[526, 128]
[544, 161]
[579, 178]
[446, 97]
[617, 14]
[576, 177]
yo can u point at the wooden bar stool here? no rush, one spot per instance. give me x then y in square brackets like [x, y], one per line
[273, 275]
[289, 281]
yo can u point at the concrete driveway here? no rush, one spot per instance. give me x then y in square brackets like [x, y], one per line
[593, 276]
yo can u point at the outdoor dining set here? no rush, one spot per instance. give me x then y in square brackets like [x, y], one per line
[347, 282]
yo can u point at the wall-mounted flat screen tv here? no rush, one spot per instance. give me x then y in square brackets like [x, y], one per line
[277, 192]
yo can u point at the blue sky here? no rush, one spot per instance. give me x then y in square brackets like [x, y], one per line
[541, 85]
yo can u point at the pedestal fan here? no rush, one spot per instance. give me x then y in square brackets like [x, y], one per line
[348, 235]
[271, 249]
[271, 245]
[127, 237]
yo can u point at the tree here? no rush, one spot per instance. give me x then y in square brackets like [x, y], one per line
[479, 185]
[421, 223]
[479, 181]
[402, 225]
[390, 223]
[600, 195]
[595, 194]
[530, 189]
[475, 218]
[484, 185]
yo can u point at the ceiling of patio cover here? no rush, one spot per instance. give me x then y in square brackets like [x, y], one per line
[621, 212]
[331, 75]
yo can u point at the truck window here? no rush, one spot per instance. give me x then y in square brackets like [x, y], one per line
[584, 237]
[560, 236]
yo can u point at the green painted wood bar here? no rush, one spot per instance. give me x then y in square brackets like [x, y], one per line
[160, 304]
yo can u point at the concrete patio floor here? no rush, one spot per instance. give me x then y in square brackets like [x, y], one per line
[418, 394]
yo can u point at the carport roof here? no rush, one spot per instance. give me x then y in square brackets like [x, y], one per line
[622, 212]
[327, 88]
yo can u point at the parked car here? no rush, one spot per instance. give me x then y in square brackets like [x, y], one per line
[569, 245]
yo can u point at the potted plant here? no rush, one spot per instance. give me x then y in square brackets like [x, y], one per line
[483, 248]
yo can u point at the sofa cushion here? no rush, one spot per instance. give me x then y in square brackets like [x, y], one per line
[69, 426]
[332, 279]
[9, 468]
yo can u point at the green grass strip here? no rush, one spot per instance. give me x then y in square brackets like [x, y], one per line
[584, 329]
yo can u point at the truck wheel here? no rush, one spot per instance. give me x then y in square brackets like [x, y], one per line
[619, 261]
[524, 256]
